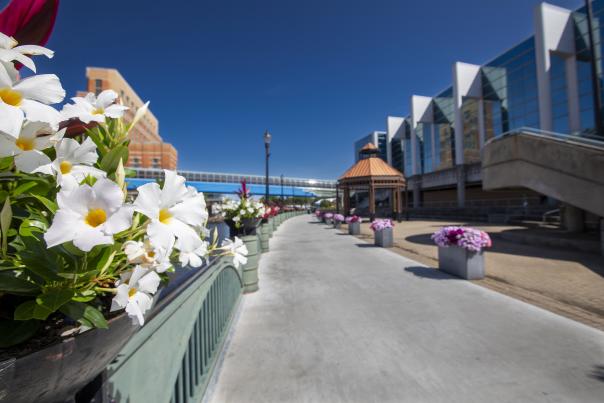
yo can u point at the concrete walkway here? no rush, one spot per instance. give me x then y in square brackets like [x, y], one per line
[338, 320]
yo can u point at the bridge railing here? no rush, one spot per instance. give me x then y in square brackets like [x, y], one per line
[584, 139]
[172, 358]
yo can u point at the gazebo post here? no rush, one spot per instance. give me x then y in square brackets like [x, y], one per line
[371, 200]
[346, 200]
[399, 203]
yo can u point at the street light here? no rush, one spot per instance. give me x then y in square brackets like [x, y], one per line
[267, 151]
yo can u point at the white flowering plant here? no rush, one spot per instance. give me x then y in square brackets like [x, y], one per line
[75, 247]
[241, 211]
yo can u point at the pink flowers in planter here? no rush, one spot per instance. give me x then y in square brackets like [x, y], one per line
[318, 214]
[353, 219]
[465, 237]
[328, 215]
[381, 224]
[338, 217]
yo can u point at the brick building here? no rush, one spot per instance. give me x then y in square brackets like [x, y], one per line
[147, 148]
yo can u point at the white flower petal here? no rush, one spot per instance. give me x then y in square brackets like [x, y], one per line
[39, 112]
[119, 221]
[115, 111]
[174, 189]
[148, 200]
[45, 88]
[8, 148]
[149, 283]
[108, 195]
[35, 50]
[134, 311]
[64, 227]
[160, 235]
[11, 119]
[29, 161]
[89, 237]
[105, 98]
[189, 211]
[121, 298]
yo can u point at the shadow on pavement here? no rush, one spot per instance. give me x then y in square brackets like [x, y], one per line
[366, 245]
[427, 272]
[598, 373]
[589, 260]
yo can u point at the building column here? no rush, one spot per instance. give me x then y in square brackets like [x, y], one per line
[573, 218]
[416, 193]
[481, 125]
[572, 91]
[602, 235]
[461, 186]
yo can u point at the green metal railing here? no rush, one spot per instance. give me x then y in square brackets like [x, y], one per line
[172, 358]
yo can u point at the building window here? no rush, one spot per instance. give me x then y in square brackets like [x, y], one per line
[156, 163]
[136, 162]
[98, 86]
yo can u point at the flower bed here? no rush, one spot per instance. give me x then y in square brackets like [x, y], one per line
[243, 215]
[465, 237]
[353, 219]
[338, 218]
[460, 251]
[77, 248]
[381, 224]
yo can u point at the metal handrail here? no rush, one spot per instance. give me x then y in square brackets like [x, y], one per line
[583, 139]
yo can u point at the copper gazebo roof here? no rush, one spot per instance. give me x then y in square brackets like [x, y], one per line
[371, 166]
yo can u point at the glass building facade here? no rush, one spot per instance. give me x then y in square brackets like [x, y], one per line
[543, 82]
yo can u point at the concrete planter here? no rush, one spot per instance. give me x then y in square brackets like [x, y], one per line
[461, 262]
[384, 238]
[271, 227]
[264, 235]
[250, 269]
[354, 228]
[337, 224]
[329, 221]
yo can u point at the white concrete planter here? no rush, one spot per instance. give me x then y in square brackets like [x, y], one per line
[329, 221]
[461, 262]
[384, 238]
[337, 224]
[354, 228]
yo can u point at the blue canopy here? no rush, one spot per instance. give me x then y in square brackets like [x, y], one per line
[226, 188]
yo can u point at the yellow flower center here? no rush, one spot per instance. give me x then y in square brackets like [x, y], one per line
[10, 96]
[98, 111]
[25, 144]
[65, 167]
[164, 216]
[151, 254]
[96, 217]
[131, 292]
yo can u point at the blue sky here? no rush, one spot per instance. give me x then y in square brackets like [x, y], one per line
[317, 73]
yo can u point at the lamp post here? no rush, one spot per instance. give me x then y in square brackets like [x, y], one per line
[267, 152]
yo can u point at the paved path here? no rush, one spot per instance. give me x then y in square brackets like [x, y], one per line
[338, 320]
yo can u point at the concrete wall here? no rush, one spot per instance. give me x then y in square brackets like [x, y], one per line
[571, 173]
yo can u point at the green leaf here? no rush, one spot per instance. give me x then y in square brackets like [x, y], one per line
[6, 216]
[111, 160]
[15, 332]
[30, 310]
[55, 298]
[17, 285]
[84, 296]
[29, 227]
[43, 262]
[85, 314]
[24, 188]
[50, 205]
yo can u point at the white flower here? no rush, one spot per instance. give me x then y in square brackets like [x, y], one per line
[147, 255]
[237, 249]
[28, 145]
[135, 294]
[173, 210]
[89, 216]
[236, 218]
[192, 255]
[94, 109]
[28, 98]
[10, 52]
[73, 162]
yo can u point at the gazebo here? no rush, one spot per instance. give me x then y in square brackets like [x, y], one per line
[369, 174]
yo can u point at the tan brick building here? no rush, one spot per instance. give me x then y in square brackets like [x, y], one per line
[147, 149]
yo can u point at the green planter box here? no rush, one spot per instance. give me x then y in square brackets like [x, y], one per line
[264, 236]
[250, 269]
